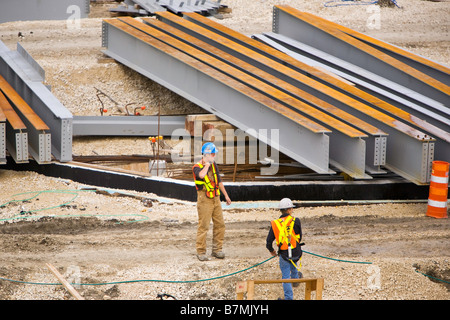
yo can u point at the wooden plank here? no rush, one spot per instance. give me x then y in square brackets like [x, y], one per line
[319, 288]
[264, 100]
[22, 106]
[274, 81]
[319, 23]
[241, 289]
[311, 284]
[64, 282]
[364, 108]
[248, 79]
[250, 290]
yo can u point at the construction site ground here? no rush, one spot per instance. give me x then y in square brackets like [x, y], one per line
[137, 251]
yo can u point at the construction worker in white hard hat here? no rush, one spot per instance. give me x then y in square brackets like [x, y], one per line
[287, 232]
[209, 188]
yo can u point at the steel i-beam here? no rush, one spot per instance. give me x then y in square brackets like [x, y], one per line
[16, 138]
[219, 94]
[385, 89]
[305, 73]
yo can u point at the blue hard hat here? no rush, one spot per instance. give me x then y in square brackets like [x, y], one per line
[209, 147]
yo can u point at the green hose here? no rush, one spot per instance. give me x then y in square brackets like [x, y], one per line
[75, 192]
[318, 255]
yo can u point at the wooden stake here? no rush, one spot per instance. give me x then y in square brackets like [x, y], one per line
[64, 282]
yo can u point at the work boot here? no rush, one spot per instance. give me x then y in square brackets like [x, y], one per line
[202, 257]
[218, 254]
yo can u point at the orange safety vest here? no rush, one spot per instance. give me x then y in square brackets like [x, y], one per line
[212, 187]
[283, 229]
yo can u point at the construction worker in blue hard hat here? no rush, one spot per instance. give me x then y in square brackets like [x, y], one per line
[287, 232]
[209, 188]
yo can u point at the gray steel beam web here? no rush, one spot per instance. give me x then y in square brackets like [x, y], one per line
[126, 125]
[399, 162]
[220, 95]
[346, 153]
[350, 49]
[23, 10]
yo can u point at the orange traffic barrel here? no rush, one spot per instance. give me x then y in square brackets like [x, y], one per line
[437, 200]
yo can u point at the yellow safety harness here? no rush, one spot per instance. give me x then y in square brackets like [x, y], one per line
[285, 236]
[212, 188]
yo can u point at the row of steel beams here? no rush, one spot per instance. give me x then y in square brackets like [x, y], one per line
[363, 51]
[313, 77]
[358, 130]
[32, 112]
[36, 139]
[345, 138]
[434, 113]
[347, 141]
[382, 87]
[323, 86]
[219, 94]
[423, 94]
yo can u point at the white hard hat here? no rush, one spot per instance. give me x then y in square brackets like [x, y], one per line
[285, 203]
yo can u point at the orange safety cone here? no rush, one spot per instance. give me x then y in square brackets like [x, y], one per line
[437, 200]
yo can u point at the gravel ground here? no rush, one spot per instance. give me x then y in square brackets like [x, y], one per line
[100, 238]
[397, 238]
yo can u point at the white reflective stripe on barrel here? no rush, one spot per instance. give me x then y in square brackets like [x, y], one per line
[437, 204]
[439, 179]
